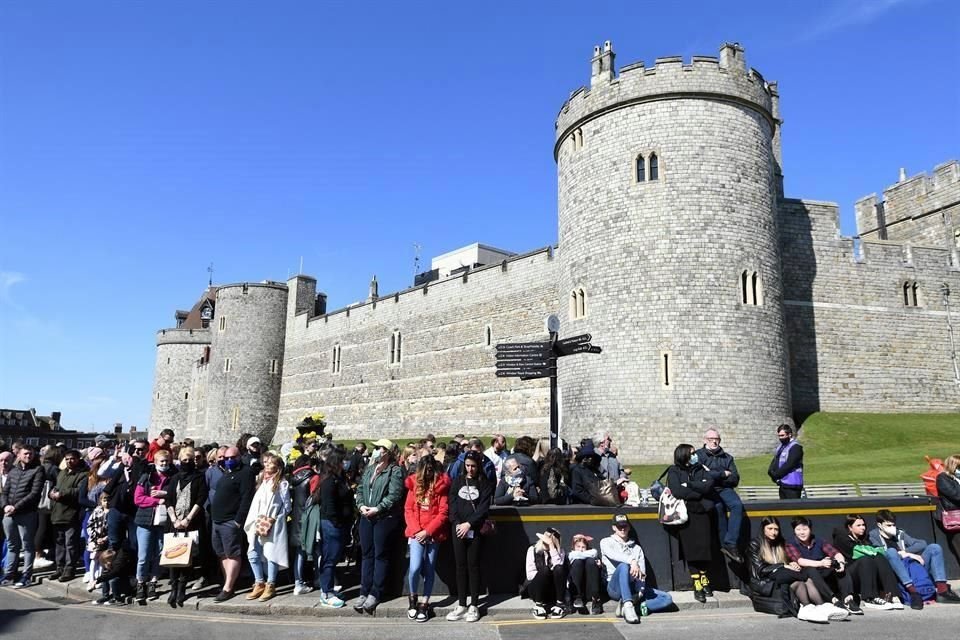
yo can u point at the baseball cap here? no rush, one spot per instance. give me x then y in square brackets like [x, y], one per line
[620, 518]
[253, 440]
[383, 442]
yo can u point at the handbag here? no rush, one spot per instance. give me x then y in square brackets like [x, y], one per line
[672, 511]
[178, 548]
[489, 527]
[264, 525]
[45, 501]
[605, 493]
[951, 520]
[160, 516]
[656, 487]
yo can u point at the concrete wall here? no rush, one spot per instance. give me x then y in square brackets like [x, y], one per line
[445, 382]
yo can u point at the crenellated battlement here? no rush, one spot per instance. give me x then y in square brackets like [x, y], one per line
[910, 199]
[183, 336]
[726, 77]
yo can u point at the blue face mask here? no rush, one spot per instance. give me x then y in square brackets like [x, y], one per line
[694, 460]
[230, 464]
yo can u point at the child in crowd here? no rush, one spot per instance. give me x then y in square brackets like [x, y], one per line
[97, 537]
[586, 570]
[116, 573]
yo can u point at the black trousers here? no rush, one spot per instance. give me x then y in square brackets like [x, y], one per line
[549, 585]
[466, 555]
[585, 579]
[790, 493]
[67, 544]
[873, 576]
[841, 584]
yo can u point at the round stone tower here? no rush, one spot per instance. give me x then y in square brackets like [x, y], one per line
[178, 353]
[669, 256]
[246, 359]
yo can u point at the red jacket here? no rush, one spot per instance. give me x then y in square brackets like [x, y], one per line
[431, 518]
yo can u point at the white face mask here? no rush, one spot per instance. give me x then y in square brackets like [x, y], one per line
[888, 531]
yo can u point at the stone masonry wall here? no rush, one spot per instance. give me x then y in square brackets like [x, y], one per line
[854, 345]
[178, 351]
[445, 381]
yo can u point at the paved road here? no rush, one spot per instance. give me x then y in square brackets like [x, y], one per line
[26, 616]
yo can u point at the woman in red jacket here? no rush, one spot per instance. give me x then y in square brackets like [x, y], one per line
[425, 514]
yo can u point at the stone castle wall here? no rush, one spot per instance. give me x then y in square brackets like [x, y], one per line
[445, 380]
[178, 351]
[854, 344]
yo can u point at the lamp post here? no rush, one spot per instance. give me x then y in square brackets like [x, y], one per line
[945, 292]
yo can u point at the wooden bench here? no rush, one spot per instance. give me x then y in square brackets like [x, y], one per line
[896, 489]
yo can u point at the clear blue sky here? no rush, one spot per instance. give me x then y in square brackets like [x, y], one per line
[140, 142]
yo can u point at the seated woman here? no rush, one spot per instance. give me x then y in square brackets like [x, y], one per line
[821, 557]
[547, 571]
[872, 576]
[515, 487]
[585, 574]
[769, 566]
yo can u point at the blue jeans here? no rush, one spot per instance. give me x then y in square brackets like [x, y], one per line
[20, 530]
[729, 530]
[932, 562]
[120, 528]
[423, 562]
[300, 564]
[258, 560]
[331, 548]
[149, 545]
[623, 588]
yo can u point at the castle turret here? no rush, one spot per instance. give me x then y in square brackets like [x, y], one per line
[373, 290]
[667, 183]
[179, 352]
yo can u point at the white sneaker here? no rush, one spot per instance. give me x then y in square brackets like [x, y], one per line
[301, 589]
[895, 603]
[87, 577]
[473, 613]
[630, 613]
[457, 614]
[42, 563]
[619, 612]
[836, 613]
[810, 613]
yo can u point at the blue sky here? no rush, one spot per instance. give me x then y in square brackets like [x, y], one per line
[139, 142]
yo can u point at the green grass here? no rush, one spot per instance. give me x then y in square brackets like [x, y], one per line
[854, 447]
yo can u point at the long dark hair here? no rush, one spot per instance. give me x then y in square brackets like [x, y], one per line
[555, 462]
[331, 466]
[477, 458]
[773, 552]
[681, 455]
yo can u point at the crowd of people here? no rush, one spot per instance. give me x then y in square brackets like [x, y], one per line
[122, 511]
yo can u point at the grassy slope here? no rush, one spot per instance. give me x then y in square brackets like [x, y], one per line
[855, 447]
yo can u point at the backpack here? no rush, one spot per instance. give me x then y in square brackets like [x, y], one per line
[780, 602]
[921, 581]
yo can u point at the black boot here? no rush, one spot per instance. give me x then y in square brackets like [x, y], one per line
[705, 583]
[141, 596]
[181, 591]
[172, 598]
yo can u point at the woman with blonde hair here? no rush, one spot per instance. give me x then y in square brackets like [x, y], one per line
[186, 496]
[771, 570]
[266, 528]
[948, 488]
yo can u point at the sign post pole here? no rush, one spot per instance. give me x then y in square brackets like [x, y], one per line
[554, 417]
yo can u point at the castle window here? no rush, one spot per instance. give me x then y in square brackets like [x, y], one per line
[223, 323]
[654, 167]
[235, 423]
[226, 365]
[751, 288]
[640, 169]
[335, 360]
[158, 395]
[396, 347]
[186, 395]
[911, 296]
[274, 367]
[168, 360]
[488, 336]
[665, 372]
[577, 138]
[578, 303]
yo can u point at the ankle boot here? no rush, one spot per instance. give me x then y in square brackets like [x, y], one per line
[698, 593]
[172, 598]
[705, 584]
[182, 591]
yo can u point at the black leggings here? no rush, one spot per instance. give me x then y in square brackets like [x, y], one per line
[585, 579]
[873, 577]
[807, 584]
[549, 585]
[466, 554]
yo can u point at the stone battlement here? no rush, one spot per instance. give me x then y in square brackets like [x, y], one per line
[910, 198]
[725, 77]
[183, 336]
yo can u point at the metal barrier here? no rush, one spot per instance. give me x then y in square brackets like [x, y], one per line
[853, 490]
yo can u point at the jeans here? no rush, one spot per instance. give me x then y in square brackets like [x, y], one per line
[111, 588]
[729, 529]
[149, 545]
[20, 529]
[331, 550]
[623, 588]
[423, 562]
[121, 528]
[258, 560]
[67, 544]
[932, 562]
[300, 566]
[376, 540]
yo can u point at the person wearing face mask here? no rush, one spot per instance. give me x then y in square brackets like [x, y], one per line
[228, 511]
[149, 494]
[186, 496]
[786, 468]
[65, 514]
[948, 490]
[723, 470]
[867, 565]
[380, 500]
[689, 480]
[121, 527]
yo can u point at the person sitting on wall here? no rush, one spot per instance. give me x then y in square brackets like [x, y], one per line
[585, 573]
[812, 554]
[585, 476]
[610, 466]
[901, 549]
[786, 468]
[547, 570]
[723, 470]
[515, 487]
[497, 452]
[626, 572]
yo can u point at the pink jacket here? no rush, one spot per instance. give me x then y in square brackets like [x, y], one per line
[141, 495]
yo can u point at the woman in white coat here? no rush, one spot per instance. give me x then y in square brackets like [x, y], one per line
[266, 528]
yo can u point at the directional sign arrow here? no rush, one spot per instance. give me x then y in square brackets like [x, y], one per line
[523, 346]
[583, 337]
[570, 349]
[533, 353]
[527, 364]
[524, 373]
[595, 349]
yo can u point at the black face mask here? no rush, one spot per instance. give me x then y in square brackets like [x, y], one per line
[785, 440]
[188, 465]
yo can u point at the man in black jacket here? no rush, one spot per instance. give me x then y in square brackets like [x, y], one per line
[21, 496]
[723, 470]
[228, 510]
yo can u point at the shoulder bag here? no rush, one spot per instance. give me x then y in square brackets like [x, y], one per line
[489, 527]
[951, 520]
[672, 511]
